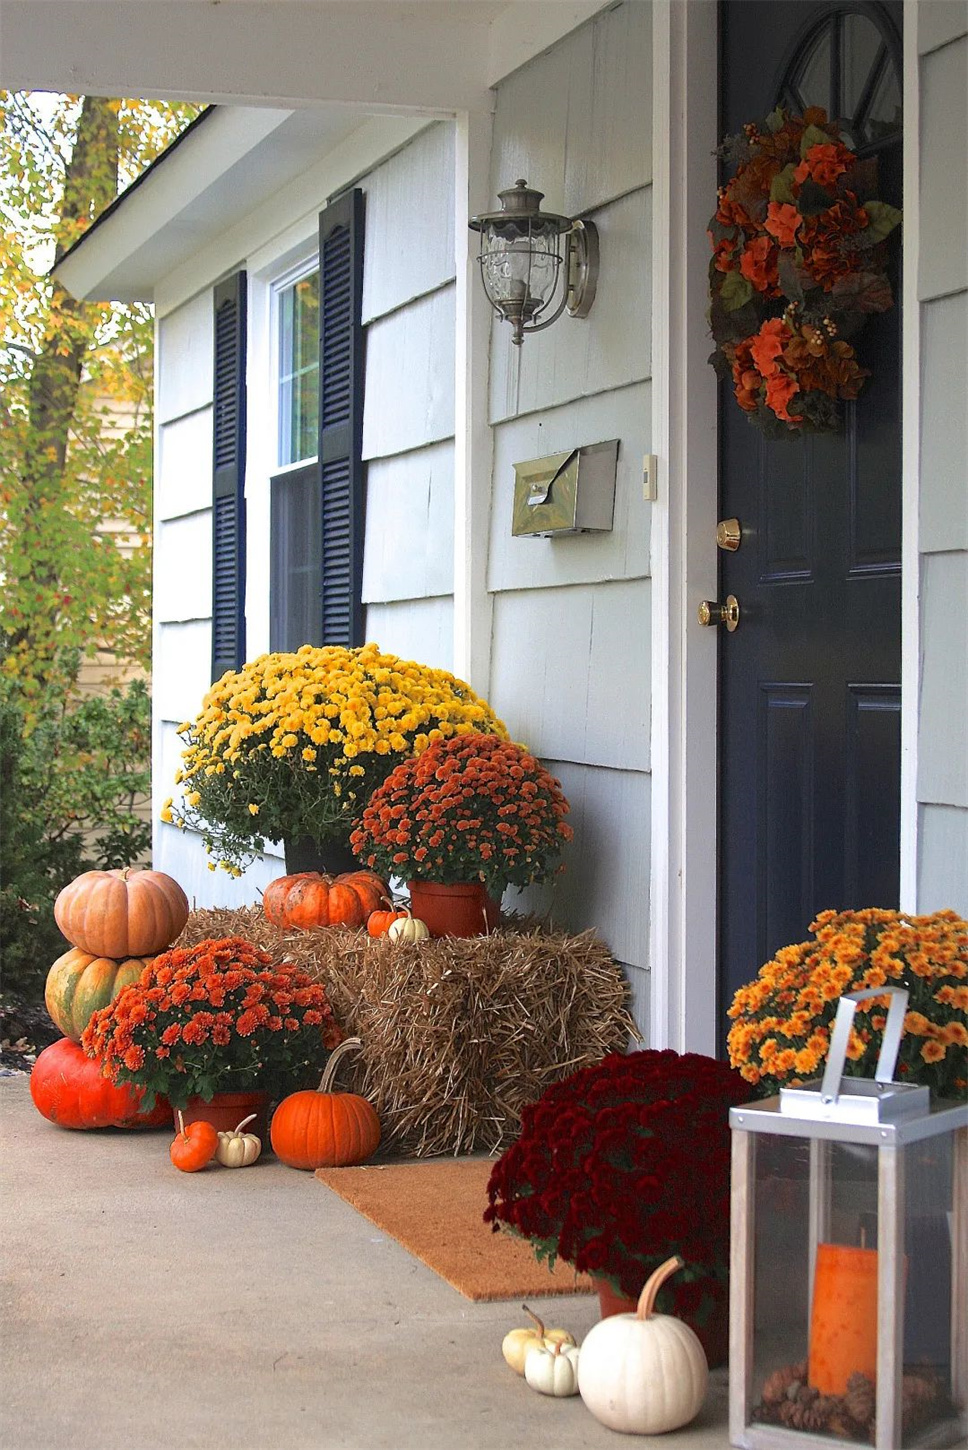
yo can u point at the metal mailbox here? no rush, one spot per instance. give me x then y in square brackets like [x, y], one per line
[566, 493]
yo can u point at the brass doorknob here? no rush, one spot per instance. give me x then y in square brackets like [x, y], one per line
[710, 612]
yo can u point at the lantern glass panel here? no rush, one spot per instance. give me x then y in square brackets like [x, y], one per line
[781, 1260]
[819, 1256]
[520, 264]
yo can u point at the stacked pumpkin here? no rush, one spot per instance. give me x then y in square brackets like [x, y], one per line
[116, 922]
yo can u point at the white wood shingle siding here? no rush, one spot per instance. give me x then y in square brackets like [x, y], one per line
[942, 784]
[408, 420]
[570, 658]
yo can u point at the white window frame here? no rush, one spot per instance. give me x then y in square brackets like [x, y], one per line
[278, 285]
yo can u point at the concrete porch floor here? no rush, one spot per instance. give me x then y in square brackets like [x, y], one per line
[145, 1309]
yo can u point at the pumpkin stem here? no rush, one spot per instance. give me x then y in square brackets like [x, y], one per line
[238, 1130]
[326, 1081]
[181, 1123]
[656, 1279]
[539, 1322]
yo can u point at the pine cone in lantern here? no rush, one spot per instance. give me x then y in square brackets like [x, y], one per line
[922, 1395]
[810, 1413]
[860, 1400]
[780, 1381]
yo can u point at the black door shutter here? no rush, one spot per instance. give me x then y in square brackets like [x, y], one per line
[341, 417]
[228, 478]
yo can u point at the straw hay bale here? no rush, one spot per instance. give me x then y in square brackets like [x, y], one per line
[459, 1033]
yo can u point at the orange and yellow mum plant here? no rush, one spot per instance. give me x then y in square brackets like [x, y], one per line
[782, 1021]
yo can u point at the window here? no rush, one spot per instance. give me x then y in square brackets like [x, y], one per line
[316, 513]
[297, 314]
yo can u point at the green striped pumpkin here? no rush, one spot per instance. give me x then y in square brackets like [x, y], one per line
[78, 984]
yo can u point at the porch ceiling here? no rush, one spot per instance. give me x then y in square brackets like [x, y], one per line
[229, 163]
[424, 56]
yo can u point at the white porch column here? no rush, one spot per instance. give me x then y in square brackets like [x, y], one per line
[473, 442]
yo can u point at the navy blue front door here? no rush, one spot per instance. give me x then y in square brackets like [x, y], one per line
[810, 681]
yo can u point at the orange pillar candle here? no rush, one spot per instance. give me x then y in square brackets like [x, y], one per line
[843, 1323]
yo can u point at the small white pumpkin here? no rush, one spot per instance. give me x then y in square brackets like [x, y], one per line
[408, 928]
[643, 1373]
[238, 1149]
[517, 1342]
[552, 1369]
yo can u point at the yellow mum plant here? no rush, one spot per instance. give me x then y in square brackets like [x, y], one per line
[782, 1021]
[293, 745]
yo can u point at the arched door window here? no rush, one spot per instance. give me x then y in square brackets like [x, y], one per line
[850, 65]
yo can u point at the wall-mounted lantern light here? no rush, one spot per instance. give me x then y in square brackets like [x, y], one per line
[525, 253]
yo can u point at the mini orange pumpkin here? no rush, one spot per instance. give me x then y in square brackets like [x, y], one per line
[322, 1129]
[311, 899]
[193, 1147]
[122, 913]
[378, 923]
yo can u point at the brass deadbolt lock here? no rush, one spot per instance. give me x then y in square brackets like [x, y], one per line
[729, 534]
[710, 612]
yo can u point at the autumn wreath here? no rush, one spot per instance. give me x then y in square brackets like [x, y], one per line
[799, 263]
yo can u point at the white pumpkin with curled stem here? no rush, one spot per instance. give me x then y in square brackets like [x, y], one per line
[238, 1149]
[552, 1369]
[517, 1342]
[643, 1373]
[408, 928]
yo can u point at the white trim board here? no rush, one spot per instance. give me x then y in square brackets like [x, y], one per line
[910, 463]
[682, 948]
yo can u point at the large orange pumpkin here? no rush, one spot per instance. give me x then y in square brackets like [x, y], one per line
[323, 1129]
[68, 1088]
[311, 899]
[122, 913]
[79, 984]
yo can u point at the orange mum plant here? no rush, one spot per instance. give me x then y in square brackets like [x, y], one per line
[216, 1017]
[782, 1021]
[472, 808]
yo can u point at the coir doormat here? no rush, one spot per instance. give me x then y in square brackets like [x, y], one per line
[434, 1209]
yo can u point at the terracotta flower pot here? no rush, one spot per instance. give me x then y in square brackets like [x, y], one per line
[226, 1111]
[461, 910]
[713, 1335]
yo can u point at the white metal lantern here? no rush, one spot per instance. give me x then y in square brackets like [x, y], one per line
[849, 1259]
[525, 252]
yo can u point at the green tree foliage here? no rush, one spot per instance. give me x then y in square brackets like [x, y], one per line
[75, 379]
[75, 510]
[69, 790]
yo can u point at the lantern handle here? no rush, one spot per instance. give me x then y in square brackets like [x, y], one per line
[890, 1042]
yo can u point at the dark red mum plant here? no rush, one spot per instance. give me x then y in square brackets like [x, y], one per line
[623, 1164]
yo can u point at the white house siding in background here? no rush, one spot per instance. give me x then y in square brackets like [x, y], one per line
[408, 418]
[570, 657]
[942, 787]
[182, 633]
